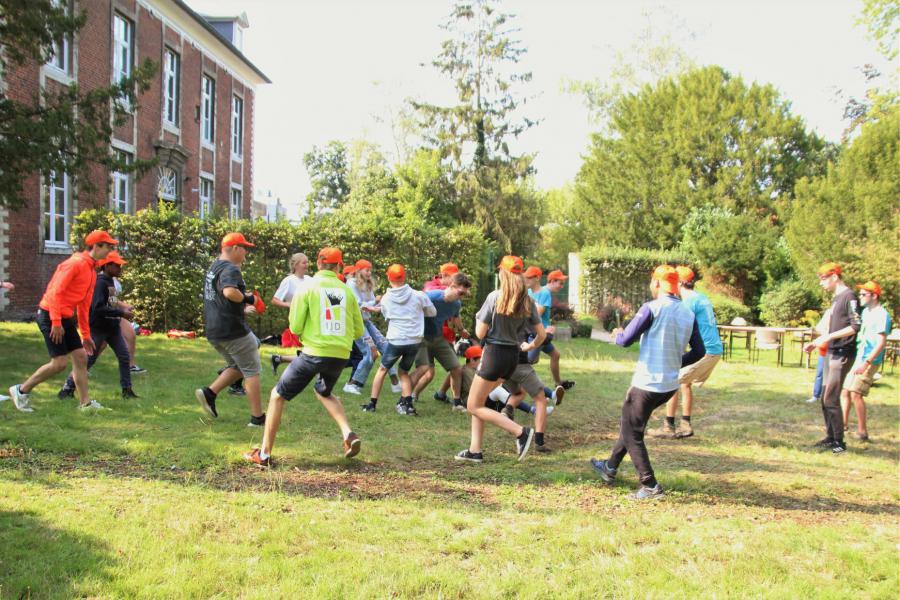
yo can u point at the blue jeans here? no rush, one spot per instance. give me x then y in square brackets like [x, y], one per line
[361, 373]
[817, 386]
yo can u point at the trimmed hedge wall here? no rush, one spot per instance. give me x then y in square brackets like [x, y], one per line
[168, 254]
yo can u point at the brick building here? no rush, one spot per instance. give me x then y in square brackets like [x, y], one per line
[196, 117]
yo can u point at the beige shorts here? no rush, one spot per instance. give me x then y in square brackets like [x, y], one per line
[700, 371]
[860, 383]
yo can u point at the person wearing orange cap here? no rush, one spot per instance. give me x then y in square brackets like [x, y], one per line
[326, 318]
[841, 339]
[106, 312]
[64, 312]
[442, 279]
[874, 329]
[698, 372]
[665, 327]
[502, 322]
[226, 301]
[543, 298]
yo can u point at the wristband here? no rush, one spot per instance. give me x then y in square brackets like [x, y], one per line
[249, 299]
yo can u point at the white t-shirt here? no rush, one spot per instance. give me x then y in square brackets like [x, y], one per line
[289, 286]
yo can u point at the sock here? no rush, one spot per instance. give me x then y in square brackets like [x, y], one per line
[210, 395]
[373, 401]
[457, 401]
[650, 483]
[263, 455]
[550, 394]
[670, 421]
[539, 438]
[441, 394]
[686, 418]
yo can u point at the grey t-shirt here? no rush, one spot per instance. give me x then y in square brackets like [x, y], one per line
[504, 330]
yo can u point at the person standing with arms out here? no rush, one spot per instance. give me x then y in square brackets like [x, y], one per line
[543, 298]
[841, 339]
[225, 302]
[68, 294]
[698, 372]
[289, 286]
[326, 317]
[503, 321]
[105, 328]
[876, 325]
[665, 326]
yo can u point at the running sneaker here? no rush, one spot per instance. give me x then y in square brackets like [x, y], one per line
[254, 457]
[21, 400]
[542, 448]
[684, 430]
[370, 407]
[473, 457]
[567, 384]
[458, 405]
[838, 448]
[275, 360]
[441, 397]
[137, 370]
[259, 421]
[510, 412]
[824, 444]
[92, 405]
[606, 473]
[665, 431]
[523, 442]
[812, 400]
[396, 388]
[559, 393]
[352, 388]
[128, 394]
[648, 493]
[207, 400]
[237, 389]
[550, 410]
[65, 392]
[863, 437]
[352, 445]
[405, 407]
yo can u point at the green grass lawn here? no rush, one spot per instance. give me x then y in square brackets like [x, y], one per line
[151, 499]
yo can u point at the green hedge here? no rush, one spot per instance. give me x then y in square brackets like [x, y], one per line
[168, 254]
[786, 304]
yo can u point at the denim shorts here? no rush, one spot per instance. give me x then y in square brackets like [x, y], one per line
[406, 354]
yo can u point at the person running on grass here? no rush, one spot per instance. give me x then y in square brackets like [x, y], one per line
[105, 328]
[841, 339]
[225, 304]
[326, 318]
[69, 293]
[289, 286]
[502, 322]
[405, 310]
[543, 298]
[510, 396]
[876, 325]
[525, 379]
[698, 372]
[665, 326]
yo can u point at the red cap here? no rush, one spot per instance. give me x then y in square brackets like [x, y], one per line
[113, 257]
[349, 270]
[449, 269]
[473, 352]
[342, 278]
[396, 273]
[331, 256]
[685, 273]
[872, 287]
[667, 277]
[511, 264]
[533, 272]
[98, 237]
[362, 264]
[236, 239]
[557, 276]
[829, 268]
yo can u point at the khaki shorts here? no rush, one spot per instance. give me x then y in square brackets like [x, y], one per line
[437, 348]
[700, 371]
[524, 377]
[860, 383]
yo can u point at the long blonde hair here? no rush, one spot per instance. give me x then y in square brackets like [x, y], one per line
[513, 300]
[366, 286]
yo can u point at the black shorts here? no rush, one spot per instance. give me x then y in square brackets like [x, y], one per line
[301, 371]
[498, 362]
[71, 338]
[406, 354]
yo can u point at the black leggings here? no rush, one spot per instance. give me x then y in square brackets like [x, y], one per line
[639, 405]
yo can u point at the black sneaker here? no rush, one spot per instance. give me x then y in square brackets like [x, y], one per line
[65, 392]
[405, 407]
[824, 444]
[607, 474]
[459, 405]
[276, 360]
[237, 389]
[259, 421]
[838, 448]
[510, 412]
[207, 400]
[128, 393]
[441, 397]
[567, 384]
[137, 370]
[475, 457]
[370, 407]
[542, 448]
[523, 442]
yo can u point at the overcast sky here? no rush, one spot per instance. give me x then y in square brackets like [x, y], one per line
[341, 67]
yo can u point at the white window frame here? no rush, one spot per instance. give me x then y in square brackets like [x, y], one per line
[123, 52]
[59, 65]
[237, 128]
[236, 193]
[171, 87]
[120, 199]
[170, 193]
[207, 188]
[51, 215]
[208, 110]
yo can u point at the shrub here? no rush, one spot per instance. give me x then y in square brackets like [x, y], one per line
[725, 307]
[786, 304]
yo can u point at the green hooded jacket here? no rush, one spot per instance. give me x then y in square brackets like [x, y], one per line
[326, 317]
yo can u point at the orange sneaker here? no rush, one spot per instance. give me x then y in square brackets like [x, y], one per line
[254, 457]
[352, 445]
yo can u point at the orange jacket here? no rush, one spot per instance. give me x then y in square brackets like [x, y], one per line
[71, 288]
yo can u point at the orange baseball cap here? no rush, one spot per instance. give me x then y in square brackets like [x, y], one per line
[512, 264]
[871, 286]
[236, 239]
[331, 256]
[557, 276]
[99, 237]
[829, 268]
[449, 269]
[667, 277]
[473, 352]
[342, 278]
[362, 264]
[349, 270]
[113, 257]
[396, 273]
[685, 273]
[533, 272]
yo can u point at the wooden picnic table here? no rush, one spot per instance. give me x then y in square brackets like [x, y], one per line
[750, 331]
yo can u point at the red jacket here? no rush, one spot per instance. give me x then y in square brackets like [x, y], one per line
[71, 288]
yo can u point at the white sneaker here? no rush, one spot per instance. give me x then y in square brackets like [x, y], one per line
[812, 400]
[92, 405]
[352, 389]
[20, 400]
[550, 410]
[396, 388]
[3, 398]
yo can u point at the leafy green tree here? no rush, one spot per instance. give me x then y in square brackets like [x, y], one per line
[329, 174]
[66, 129]
[703, 138]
